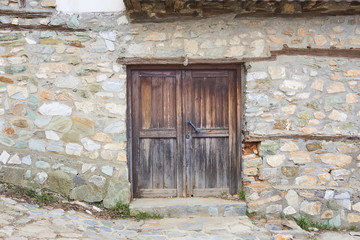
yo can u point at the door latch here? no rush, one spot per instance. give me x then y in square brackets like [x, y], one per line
[193, 126]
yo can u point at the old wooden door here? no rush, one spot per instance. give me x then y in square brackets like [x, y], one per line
[184, 132]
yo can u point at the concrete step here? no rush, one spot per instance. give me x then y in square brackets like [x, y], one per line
[189, 207]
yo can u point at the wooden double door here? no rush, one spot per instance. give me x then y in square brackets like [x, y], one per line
[185, 130]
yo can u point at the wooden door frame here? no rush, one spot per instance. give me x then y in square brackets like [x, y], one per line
[235, 166]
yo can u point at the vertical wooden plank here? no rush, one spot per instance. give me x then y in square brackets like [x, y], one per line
[157, 116]
[135, 123]
[180, 126]
[145, 163]
[240, 74]
[188, 141]
[145, 103]
[212, 95]
[232, 133]
[169, 164]
[157, 163]
[129, 129]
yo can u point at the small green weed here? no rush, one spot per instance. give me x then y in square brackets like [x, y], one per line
[242, 195]
[144, 215]
[121, 210]
[249, 214]
[30, 193]
[306, 223]
[45, 197]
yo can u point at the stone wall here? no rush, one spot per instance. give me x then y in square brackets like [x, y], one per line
[63, 105]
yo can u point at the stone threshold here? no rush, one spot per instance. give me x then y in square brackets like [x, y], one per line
[189, 207]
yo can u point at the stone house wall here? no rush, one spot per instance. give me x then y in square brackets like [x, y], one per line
[63, 105]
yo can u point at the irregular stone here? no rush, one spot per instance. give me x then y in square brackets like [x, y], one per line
[327, 214]
[289, 210]
[252, 76]
[348, 148]
[305, 181]
[37, 145]
[55, 146]
[353, 218]
[86, 193]
[113, 85]
[338, 116]
[292, 198]
[15, 69]
[102, 137]
[50, 41]
[77, 180]
[60, 182]
[300, 157]
[55, 109]
[292, 85]
[311, 208]
[289, 147]
[277, 72]
[71, 137]
[41, 177]
[118, 109]
[152, 36]
[99, 181]
[320, 40]
[67, 82]
[74, 21]
[340, 174]
[290, 171]
[337, 160]
[21, 123]
[14, 160]
[117, 192]
[289, 110]
[42, 164]
[4, 157]
[117, 127]
[69, 170]
[108, 170]
[83, 125]
[6, 141]
[275, 160]
[60, 124]
[333, 205]
[318, 85]
[275, 209]
[42, 121]
[336, 221]
[253, 162]
[49, 3]
[17, 91]
[268, 147]
[85, 167]
[51, 135]
[329, 194]
[26, 160]
[356, 207]
[313, 146]
[351, 98]
[6, 80]
[344, 195]
[90, 145]
[336, 87]
[257, 47]
[11, 37]
[73, 149]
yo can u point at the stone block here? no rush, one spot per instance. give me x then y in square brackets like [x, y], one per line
[60, 182]
[117, 192]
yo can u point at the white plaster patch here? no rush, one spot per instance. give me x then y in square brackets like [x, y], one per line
[79, 6]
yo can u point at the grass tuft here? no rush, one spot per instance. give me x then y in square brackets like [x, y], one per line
[242, 195]
[123, 210]
[306, 224]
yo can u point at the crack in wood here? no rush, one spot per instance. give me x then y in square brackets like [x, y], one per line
[25, 14]
[61, 28]
[259, 138]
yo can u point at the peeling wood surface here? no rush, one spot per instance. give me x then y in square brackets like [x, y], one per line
[259, 138]
[25, 14]
[39, 28]
[180, 60]
[320, 52]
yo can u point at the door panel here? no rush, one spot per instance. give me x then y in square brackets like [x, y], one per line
[156, 136]
[170, 157]
[207, 152]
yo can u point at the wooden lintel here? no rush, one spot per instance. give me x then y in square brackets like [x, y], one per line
[259, 138]
[39, 28]
[296, 15]
[136, 5]
[25, 14]
[181, 60]
[319, 52]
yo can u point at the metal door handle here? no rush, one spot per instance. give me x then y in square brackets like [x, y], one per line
[195, 128]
